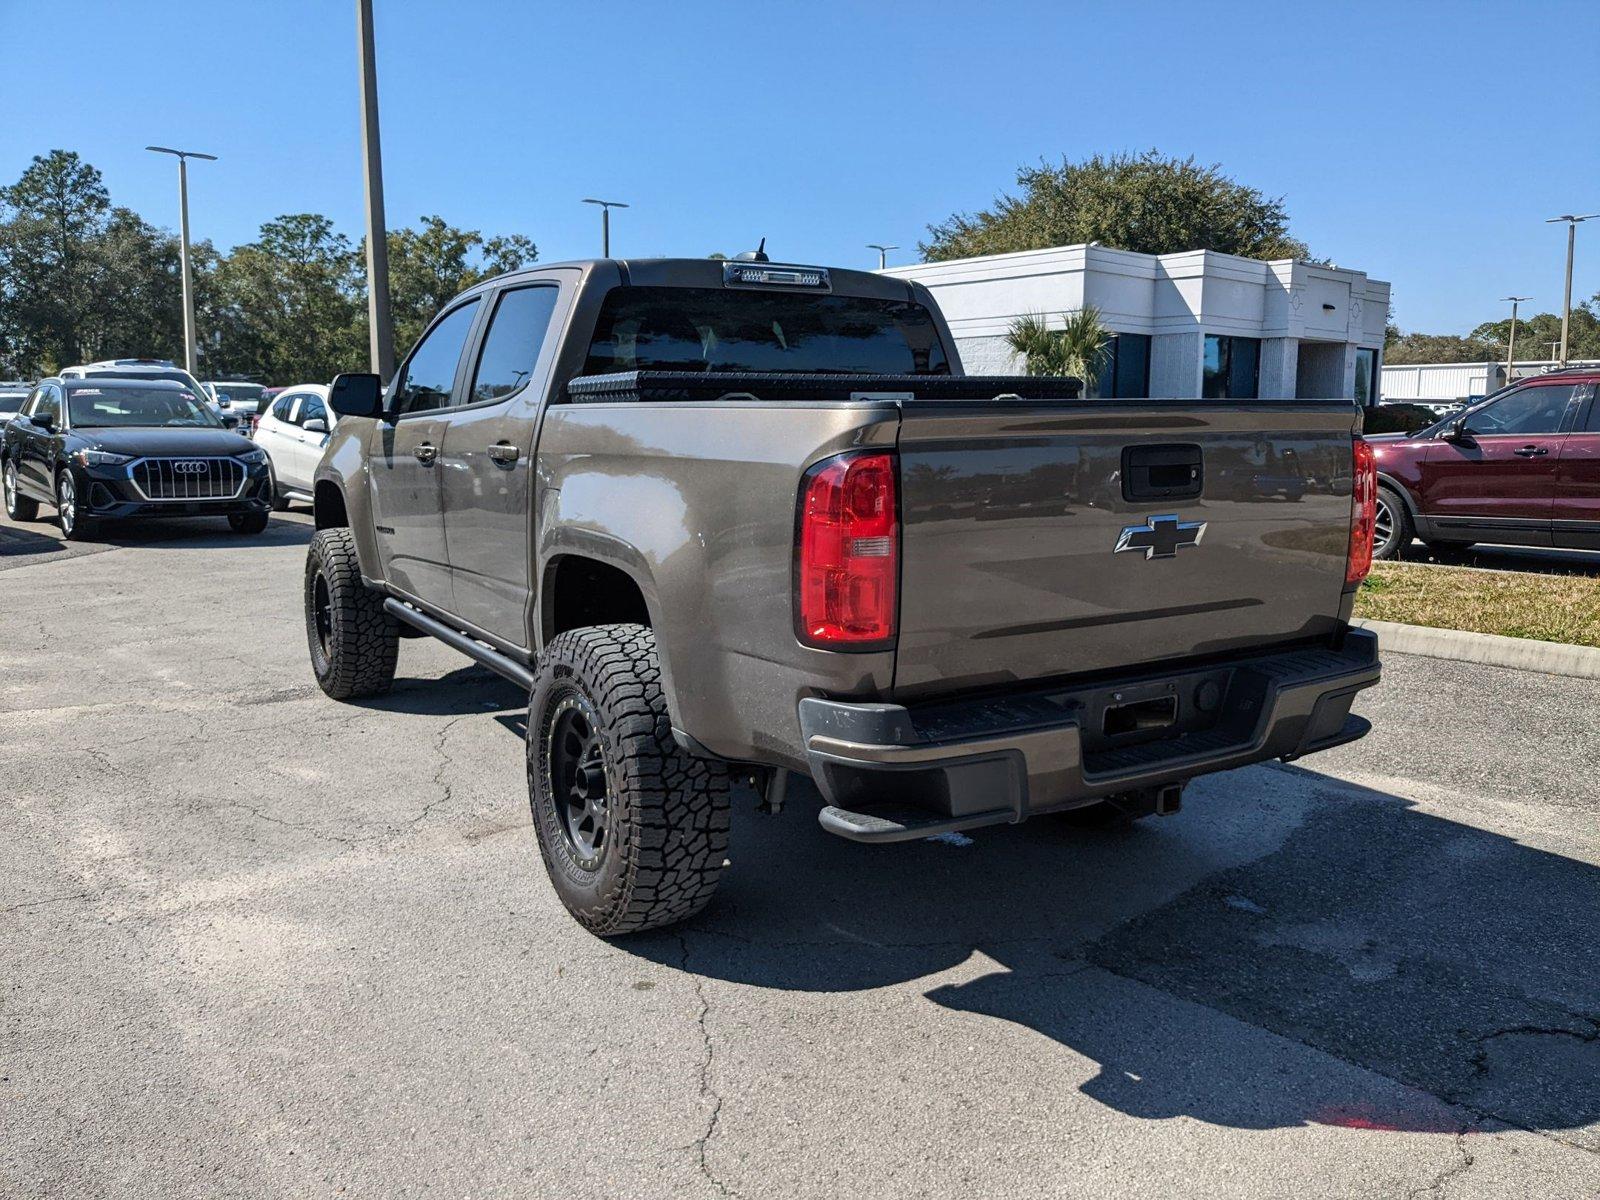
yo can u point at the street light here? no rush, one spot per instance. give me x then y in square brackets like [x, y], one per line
[380, 323]
[1511, 342]
[183, 156]
[605, 223]
[1566, 305]
[883, 253]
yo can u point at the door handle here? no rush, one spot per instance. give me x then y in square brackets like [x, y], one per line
[1530, 451]
[503, 452]
[425, 453]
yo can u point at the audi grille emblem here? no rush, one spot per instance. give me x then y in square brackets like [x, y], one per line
[1160, 537]
[191, 467]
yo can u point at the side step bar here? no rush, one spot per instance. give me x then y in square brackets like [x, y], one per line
[500, 664]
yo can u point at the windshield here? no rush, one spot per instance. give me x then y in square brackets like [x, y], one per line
[237, 391]
[109, 408]
[706, 329]
[13, 402]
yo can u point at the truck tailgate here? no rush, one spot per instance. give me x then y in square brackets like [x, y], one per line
[1012, 512]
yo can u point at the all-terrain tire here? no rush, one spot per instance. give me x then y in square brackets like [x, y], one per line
[354, 643]
[667, 812]
[18, 506]
[247, 522]
[1393, 530]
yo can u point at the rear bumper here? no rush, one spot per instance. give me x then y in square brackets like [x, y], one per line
[889, 772]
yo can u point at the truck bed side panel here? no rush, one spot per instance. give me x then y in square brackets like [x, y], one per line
[697, 503]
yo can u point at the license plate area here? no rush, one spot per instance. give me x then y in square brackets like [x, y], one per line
[1139, 716]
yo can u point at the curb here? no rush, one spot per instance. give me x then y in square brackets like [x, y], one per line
[1519, 654]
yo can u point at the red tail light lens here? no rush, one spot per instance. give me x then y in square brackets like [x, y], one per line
[848, 553]
[1363, 514]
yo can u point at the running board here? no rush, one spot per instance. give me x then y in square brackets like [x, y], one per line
[500, 664]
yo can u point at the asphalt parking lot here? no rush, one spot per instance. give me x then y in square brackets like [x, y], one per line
[255, 943]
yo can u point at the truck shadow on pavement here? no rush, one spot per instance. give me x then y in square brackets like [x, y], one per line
[1358, 962]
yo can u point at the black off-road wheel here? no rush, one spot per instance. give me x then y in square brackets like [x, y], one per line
[354, 642]
[633, 830]
[247, 522]
[1392, 529]
[75, 525]
[18, 506]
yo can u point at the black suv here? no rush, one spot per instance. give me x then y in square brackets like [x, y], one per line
[107, 449]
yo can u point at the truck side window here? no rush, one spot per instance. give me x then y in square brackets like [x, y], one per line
[511, 347]
[430, 372]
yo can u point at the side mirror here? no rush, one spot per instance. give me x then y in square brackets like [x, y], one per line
[44, 421]
[315, 425]
[1459, 431]
[356, 395]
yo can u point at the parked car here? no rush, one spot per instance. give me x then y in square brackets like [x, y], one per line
[238, 398]
[293, 432]
[104, 449]
[1522, 467]
[12, 396]
[745, 519]
[148, 368]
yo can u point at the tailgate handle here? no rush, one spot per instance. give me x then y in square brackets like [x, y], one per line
[1167, 472]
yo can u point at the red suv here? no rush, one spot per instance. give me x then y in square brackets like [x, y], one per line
[1522, 467]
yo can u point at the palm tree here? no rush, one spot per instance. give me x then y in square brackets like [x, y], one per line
[1075, 349]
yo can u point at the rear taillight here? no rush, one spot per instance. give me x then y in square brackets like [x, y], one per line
[847, 566]
[1363, 513]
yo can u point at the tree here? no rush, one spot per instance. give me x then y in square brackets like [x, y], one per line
[1142, 202]
[1536, 333]
[433, 263]
[1077, 348]
[1438, 348]
[286, 307]
[53, 216]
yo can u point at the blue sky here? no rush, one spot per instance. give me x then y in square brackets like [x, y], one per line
[1422, 143]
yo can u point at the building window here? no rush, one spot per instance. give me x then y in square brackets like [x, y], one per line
[1366, 377]
[1232, 368]
[1124, 368]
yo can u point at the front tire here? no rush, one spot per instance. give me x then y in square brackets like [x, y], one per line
[18, 506]
[633, 830]
[75, 526]
[248, 523]
[354, 642]
[1392, 529]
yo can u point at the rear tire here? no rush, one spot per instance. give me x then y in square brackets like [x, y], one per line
[18, 506]
[354, 643]
[75, 526]
[247, 523]
[1392, 529]
[633, 830]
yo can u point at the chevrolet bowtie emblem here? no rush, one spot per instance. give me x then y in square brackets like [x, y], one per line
[1160, 537]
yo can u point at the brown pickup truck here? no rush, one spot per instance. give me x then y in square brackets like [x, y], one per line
[737, 520]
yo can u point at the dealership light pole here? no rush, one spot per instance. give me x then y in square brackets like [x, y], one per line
[1566, 304]
[1511, 342]
[379, 321]
[605, 223]
[190, 361]
[883, 253]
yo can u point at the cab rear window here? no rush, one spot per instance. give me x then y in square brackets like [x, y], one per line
[709, 329]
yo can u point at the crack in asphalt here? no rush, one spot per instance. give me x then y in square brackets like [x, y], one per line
[701, 1144]
[1464, 1159]
[446, 789]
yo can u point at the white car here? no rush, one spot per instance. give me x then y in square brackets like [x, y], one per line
[293, 432]
[235, 397]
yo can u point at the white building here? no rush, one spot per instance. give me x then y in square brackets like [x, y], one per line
[1445, 382]
[1192, 324]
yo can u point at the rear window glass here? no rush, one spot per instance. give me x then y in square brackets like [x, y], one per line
[709, 329]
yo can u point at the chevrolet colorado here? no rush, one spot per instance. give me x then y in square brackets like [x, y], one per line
[733, 520]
